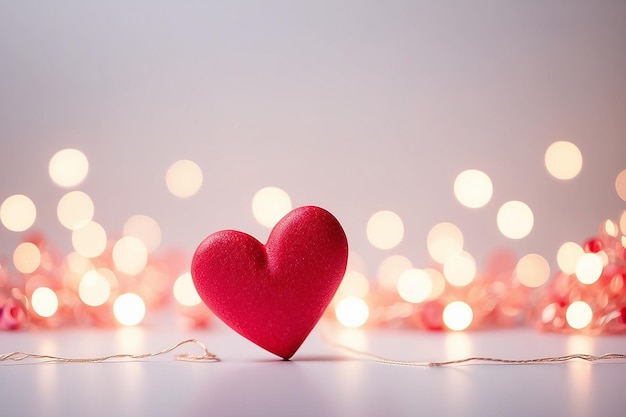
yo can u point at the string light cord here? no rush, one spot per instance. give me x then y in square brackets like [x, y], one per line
[205, 356]
[326, 339]
[478, 359]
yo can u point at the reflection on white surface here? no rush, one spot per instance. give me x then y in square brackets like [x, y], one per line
[354, 338]
[578, 343]
[458, 345]
[130, 340]
[46, 383]
[579, 374]
[47, 388]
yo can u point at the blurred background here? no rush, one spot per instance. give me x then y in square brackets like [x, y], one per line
[355, 106]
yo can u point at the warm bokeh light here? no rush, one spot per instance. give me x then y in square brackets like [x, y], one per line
[414, 285]
[356, 262]
[385, 229]
[473, 188]
[604, 256]
[185, 292]
[18, 213]
[68, 167]
[183, 178]
[610, 228]
[352, 312]
[620, 185]
[269, 205]
[578, 315]
[532, 270]
[130, 255]
[144, 228]
[568, 255]
[75, 210]
[390, 269]
[622, 222]
[457, 315]
[460, 269]
[26, 257]
[90, 240]
[444, 240]
[129, 309]
[437, 281]
[515, 219]
[44, 302]
[78, 263]
[563, 160]
[94, 289]
[354, 284]
[589, 268]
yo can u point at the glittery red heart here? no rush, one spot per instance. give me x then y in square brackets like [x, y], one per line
[273, 294]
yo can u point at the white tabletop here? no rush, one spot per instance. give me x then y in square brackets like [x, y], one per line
[320, 380]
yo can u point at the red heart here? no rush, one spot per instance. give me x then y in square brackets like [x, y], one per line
[273, 295]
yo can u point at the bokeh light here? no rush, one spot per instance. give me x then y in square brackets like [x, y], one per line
[589, 268]
[620, 185]
[352, 312]
[94, 288]
[622, 222]
[269, 205]
[563, 160]
[18, 213]
[356, 262]
[354, 284]
[444, 240]
[532, 270]
[130, 255]
[473, 188]
[68, 167]
[185, 292]
[457, 315]
[568, 255]
[515, 219]
[44, 302]
[414, 285]
[183, 178]
[78, 263]
[26, 257]
[129, 309]
[75, 210]
[610, 228]
[390, 269]
[385, 229]
[90, 240]
[144, 228]
[438, 283]
[460, 269]
[578, 315]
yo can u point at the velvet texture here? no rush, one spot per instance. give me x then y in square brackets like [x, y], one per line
[273, 294]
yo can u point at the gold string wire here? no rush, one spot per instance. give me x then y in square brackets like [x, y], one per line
[206, 356]
[544, 360]
[326, 339]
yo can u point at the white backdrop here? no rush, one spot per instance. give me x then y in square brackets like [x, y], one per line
[354, 106]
